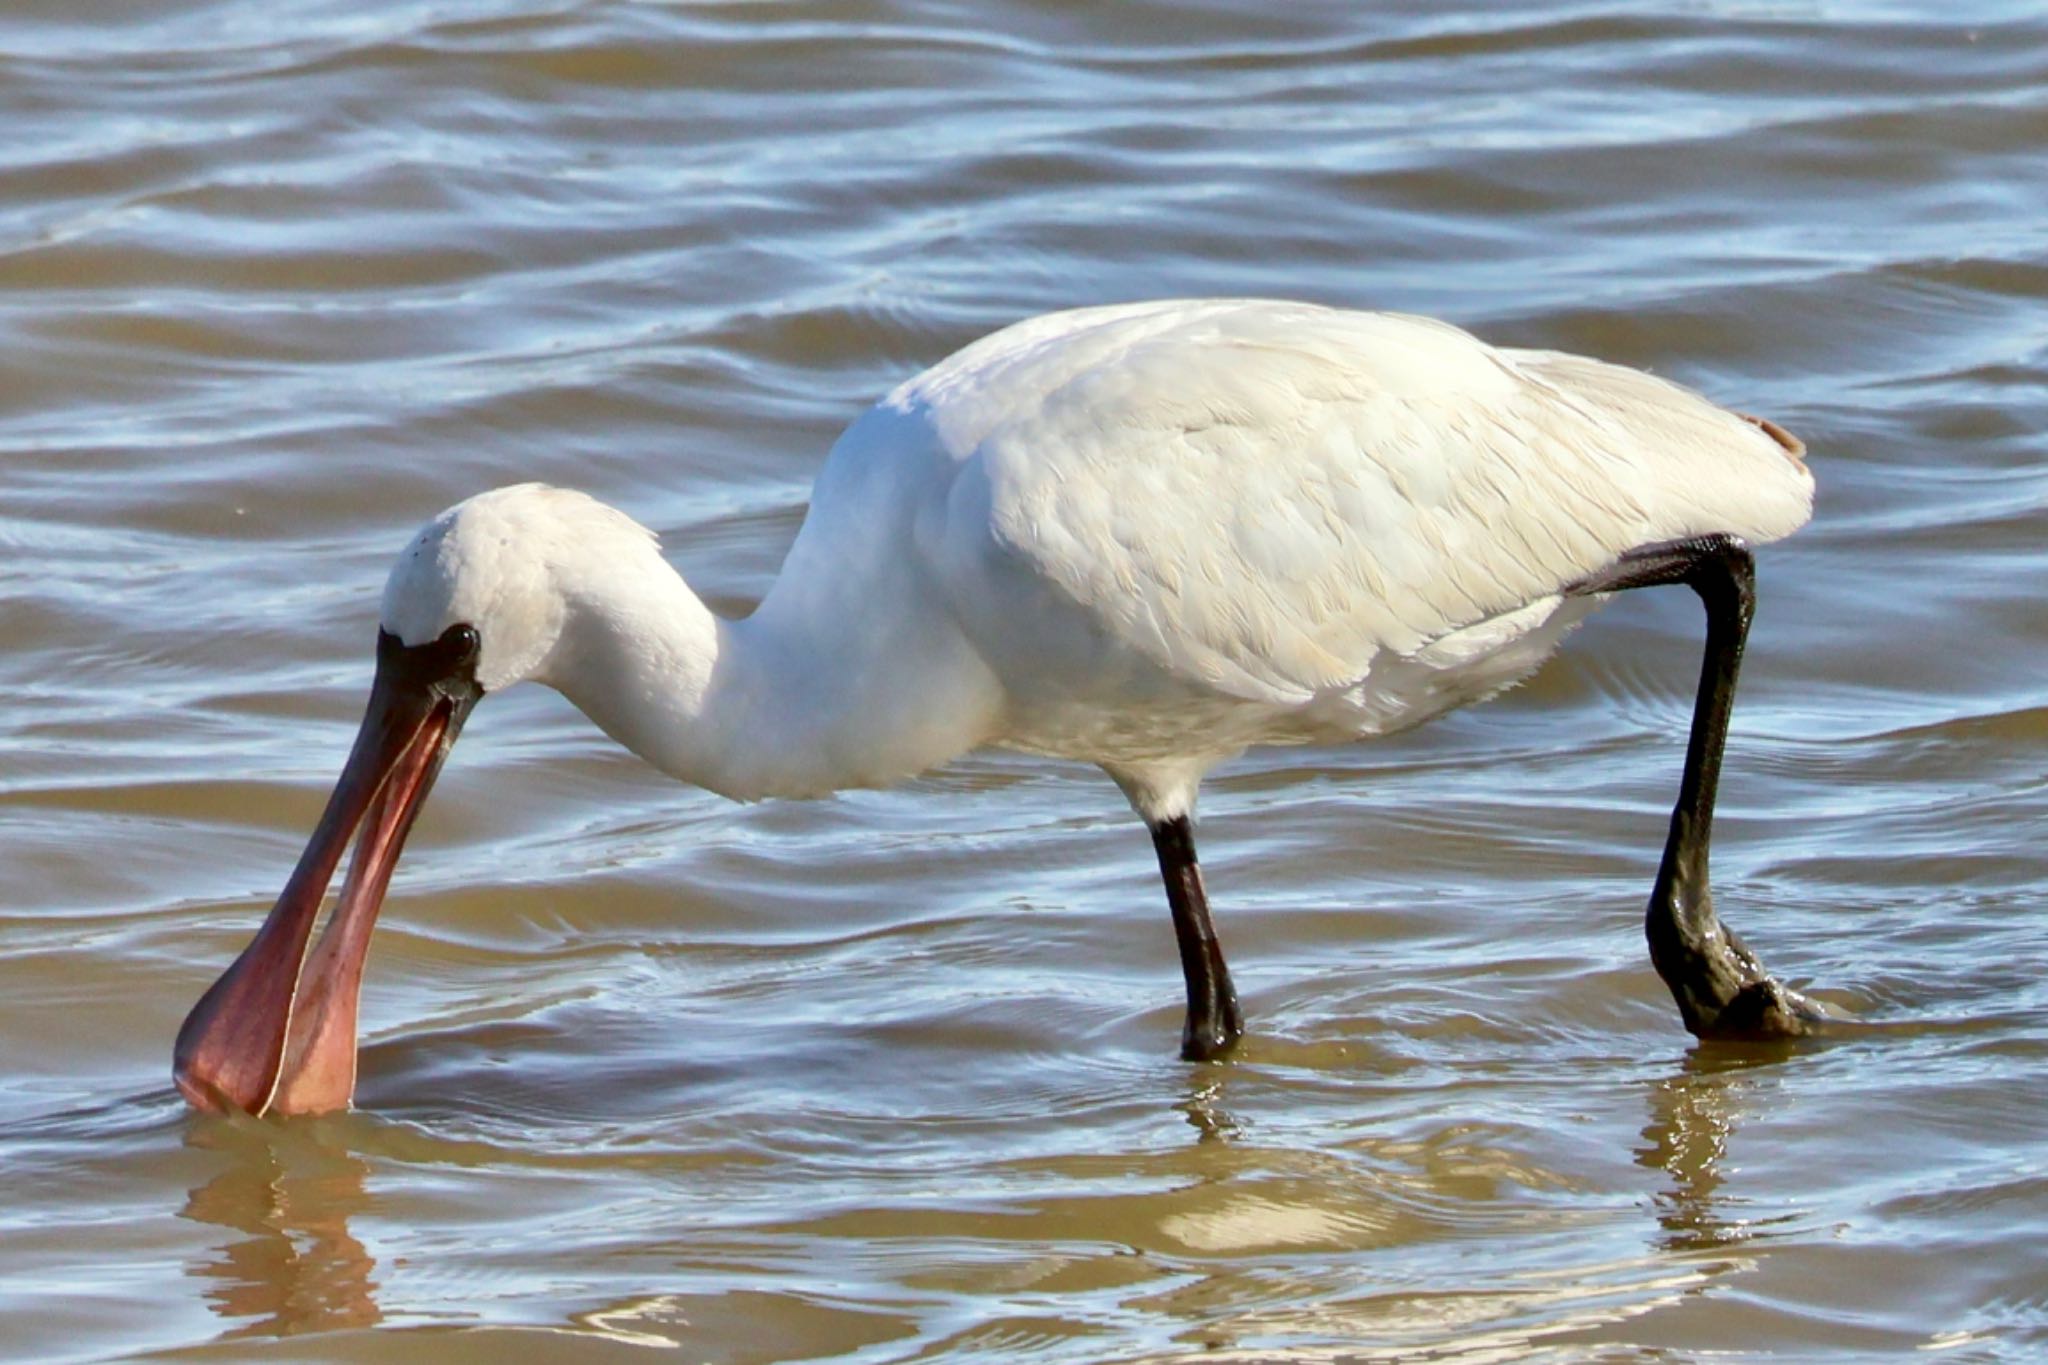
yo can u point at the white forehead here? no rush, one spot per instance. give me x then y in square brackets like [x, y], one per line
[490, 559]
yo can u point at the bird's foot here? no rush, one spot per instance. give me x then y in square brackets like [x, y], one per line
[1206, 1047]
[1212, 1038]
[1722, 988]
[1762, 1011]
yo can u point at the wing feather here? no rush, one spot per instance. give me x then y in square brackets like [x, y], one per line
[1265, 498]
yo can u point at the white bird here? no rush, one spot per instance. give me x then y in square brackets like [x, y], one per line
[1145, 536]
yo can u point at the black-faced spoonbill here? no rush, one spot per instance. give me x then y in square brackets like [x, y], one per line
[1146, 536]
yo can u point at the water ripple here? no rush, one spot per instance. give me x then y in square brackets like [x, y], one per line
[891, 1076]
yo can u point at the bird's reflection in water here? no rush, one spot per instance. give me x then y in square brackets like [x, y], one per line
[1203, 1108]
[1693, 1116]
[296, 1268]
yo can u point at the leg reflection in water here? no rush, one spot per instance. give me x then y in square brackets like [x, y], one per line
[1693, 1117]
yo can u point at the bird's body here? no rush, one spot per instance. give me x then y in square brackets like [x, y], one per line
[1151, 536]
[1146, 537]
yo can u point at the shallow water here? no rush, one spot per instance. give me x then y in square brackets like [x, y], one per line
[892, 1076]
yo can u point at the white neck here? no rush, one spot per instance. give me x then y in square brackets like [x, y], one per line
[815, 692]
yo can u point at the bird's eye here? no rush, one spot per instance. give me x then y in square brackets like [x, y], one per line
[463, 639]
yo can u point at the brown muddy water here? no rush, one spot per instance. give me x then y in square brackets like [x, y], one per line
[891, 1077]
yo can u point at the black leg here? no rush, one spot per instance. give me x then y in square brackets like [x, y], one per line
[1213, 1022]
[1721, 987]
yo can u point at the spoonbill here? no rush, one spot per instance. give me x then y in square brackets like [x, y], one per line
[1146, 536]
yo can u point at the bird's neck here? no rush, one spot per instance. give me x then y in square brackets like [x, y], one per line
[813, 693]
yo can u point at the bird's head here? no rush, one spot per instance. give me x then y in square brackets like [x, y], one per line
[501, 564]
[475, 603]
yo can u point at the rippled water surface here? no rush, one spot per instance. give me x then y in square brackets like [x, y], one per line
[892, 1076]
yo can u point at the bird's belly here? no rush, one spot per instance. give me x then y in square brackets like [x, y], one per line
[1147, 714]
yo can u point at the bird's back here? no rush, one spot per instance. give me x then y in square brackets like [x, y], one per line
[1274, 504]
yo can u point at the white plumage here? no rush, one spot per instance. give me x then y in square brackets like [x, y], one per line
[1146, 537]
[1149, 536]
